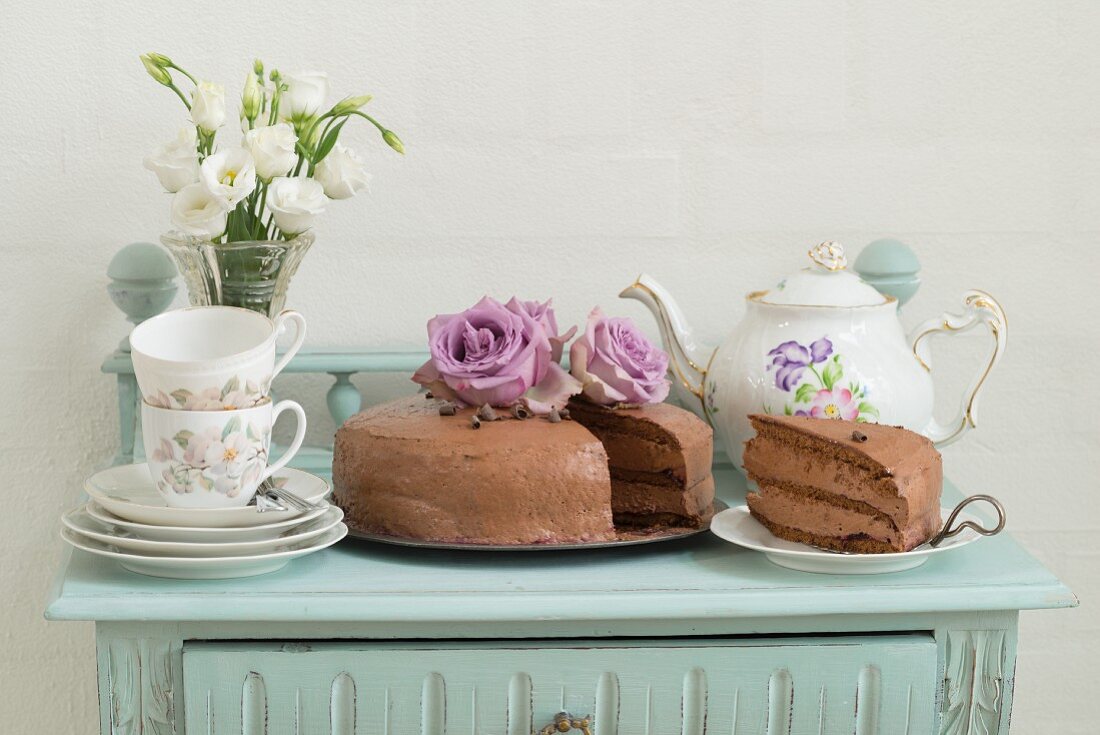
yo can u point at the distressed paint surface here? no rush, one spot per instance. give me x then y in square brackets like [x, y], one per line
[973, 682]
[661, 688]
[141, 687]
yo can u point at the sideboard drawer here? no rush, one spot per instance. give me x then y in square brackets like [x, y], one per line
[870, 684]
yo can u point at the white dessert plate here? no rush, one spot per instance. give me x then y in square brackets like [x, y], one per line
[199, 534]
[212, 567]
[80, 521]
[128, 492]
[737, 526]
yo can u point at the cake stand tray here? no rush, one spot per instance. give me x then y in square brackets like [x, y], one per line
[625, 538]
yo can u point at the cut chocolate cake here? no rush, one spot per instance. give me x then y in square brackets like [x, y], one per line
[417, 468]
[844, 485]
[660, 460]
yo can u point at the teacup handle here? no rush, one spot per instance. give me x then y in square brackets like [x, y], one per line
[299, 436]
[980, 308]
[299, 336]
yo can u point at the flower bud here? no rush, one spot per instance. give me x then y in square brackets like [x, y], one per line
[349, 105]
[159, 59]
[252, 98]
[393, 141]
[158, 73]
[258, 68]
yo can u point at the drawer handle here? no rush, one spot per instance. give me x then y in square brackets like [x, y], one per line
[565, 722]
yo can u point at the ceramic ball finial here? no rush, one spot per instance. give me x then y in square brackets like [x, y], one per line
[890, 266]
[143, 282]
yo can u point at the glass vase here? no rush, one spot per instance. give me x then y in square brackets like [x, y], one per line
[253, 274]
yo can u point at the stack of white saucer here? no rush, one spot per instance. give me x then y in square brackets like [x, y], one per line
[128, 520]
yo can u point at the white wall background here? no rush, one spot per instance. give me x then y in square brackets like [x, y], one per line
[559, 148]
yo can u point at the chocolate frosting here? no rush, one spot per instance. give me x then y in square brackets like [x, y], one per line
[401, 469]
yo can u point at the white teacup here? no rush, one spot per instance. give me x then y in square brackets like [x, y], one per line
[214, 459]
[204, 358]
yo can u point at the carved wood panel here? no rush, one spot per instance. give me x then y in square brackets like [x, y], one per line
[973, 682]
[142, 687]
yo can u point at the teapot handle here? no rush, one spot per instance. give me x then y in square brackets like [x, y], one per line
[980, 308]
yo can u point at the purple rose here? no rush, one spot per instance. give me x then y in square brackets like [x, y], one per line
[497, 354]
[617, 364]
[790, 360]
[544, 315]
[489, 353]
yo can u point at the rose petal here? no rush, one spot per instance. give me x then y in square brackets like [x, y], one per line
[553, 391]
[557, 344]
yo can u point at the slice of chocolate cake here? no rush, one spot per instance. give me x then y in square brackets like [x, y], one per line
[844, 485]
[660, 461]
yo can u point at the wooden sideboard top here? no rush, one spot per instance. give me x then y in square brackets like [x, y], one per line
[702, 578]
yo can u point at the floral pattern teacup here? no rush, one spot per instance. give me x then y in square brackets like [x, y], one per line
[207, 358]
[214, 459]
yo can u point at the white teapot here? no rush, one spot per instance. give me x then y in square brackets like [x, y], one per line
[823, 343]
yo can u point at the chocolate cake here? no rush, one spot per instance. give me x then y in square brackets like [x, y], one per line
[402, 468]
[660, 460]
[844, 485]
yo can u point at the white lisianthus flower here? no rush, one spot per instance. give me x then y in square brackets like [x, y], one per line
[294, 202]
[208, 106]
[342, 173]
[305, 95]
[176, 163]
[198, 212]
[272, 149]
[229, 175]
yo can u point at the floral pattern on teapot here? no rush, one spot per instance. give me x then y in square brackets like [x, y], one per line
[814, 376]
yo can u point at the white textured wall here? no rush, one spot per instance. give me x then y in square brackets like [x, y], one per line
[558, 148]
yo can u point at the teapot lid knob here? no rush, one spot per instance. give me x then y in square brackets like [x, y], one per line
[829, 255]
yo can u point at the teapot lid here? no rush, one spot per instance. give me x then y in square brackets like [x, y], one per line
[825, 283]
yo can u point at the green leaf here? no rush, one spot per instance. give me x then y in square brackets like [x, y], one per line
[232, 425]
[787, 410]
[181, 395]
[248, 432]
[805, 393]
[182, 437]
[836, 358]
[831, 374]
[230, 385]
[868, 409]
[328, 142]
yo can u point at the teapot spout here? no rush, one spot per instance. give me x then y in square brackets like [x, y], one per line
[688, 359]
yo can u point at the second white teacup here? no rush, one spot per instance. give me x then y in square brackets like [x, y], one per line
[214, 459]
[210, 357]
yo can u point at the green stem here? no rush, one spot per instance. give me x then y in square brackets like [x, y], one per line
[816, 374]
[185, 73]
[367, 117]
[172, 86]
[260, 210]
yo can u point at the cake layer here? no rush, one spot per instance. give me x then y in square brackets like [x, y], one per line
[402, 469]
[638, 497]
[857, 544]
[654, 438]
[811, 510]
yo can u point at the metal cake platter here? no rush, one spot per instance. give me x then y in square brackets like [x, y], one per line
[625, 538]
